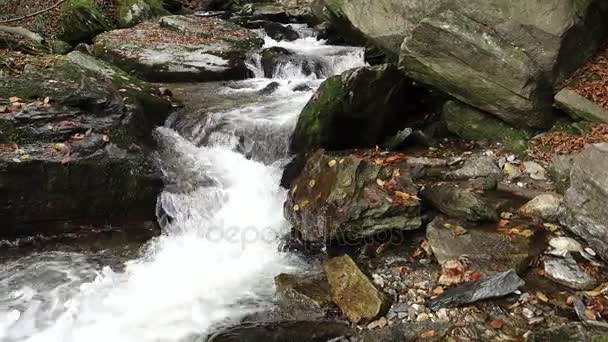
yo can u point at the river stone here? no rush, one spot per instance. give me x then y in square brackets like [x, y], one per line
[81, 139]
[353, 291]
[502, 58]
[584, 208]
[303, 297]
[545, 206]
[535, 170]
[567, 272]
[292, 331]
[273, 29]
[496, 285]
[482, 166]
[180, 48]
[488, 250]
[340, 197]
[579, 108]
[359, 108]
[457, 202]
[472, 124]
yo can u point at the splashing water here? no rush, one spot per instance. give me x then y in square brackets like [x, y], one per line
[222, 221]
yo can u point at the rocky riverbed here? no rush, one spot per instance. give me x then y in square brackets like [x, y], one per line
[303, 170]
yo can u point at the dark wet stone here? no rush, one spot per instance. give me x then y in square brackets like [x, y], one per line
[398, 140]
[303, 297]
[401, 332]
[302, 87]
[292, 331]
[273, 29]
[572, 332]
[270, 88]
[497, 285]
[458, 202]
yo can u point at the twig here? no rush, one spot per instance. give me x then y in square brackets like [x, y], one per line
[23, 32]
[32, 14]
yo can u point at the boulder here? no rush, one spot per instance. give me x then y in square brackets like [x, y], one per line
[353, 291]
[458, 202]
[180, 48]
[579, 108]
[502, 59]
[303, 297]
[488, 250]
[359, 108]
[472, 124]
[545, 206]
[132, 12]
[584, 208]
[349, 197]
[82, 129]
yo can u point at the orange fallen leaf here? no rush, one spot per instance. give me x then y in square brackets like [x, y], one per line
[496, 324]
[427, 334]
[405, 196]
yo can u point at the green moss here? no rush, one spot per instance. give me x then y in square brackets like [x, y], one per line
[471, 124]
[572, 127]
[82, 20]
[308, 131]
[127, 15]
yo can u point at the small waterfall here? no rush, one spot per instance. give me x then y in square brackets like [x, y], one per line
[221, 213]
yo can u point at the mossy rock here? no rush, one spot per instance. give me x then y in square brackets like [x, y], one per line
[82, 20]
[472, 124]
[132, 12]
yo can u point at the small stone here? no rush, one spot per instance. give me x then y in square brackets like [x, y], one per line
[400, 307]
[511, 171]
[535, 170]
[545, 206]
[402, 315]
[442, 314]
[422, 317]
[527, 313]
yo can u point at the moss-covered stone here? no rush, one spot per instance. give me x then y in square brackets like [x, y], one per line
[81, 20]
[132, 12]
[471, 124]
[359, 108]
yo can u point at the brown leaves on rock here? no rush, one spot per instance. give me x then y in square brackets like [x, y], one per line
[560, 143]
[14, 63]
[591, 81]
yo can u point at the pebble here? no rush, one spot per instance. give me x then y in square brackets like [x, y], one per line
[535, 170]
[402, 315]
[442, 314]
[529, 314]
[380, 323]
[422, 317]
[400, 307]
[536, 320]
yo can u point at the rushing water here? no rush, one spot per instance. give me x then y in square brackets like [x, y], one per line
[222, 222]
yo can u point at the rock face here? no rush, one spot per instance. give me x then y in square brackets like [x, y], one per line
[488, 251]
[472, 124]
[353, 291]
[349, 197]
[180, 48]
[585, 212]
[503, 59]
[579, 108]
[91, 133]
[458, 202]
[359, 108]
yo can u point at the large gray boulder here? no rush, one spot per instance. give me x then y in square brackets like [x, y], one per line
[501, 57]
[180, 48]
[585, 212]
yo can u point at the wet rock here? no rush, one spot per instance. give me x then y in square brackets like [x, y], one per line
[270, 88]
[573, 331]
[303, 297]
[78, 139]
[457, 202]
[545, 206]
[567, 272]
[482, 166]
[471, 124]
[579, 108]
[398, 140]
[359, 108]
[273, 29]
[293, 331]
[302, 87]
[344, 197]
[353, 291]
[497, 285]
[488, 250]
[535, 170]
[585, 212]
[180, 48]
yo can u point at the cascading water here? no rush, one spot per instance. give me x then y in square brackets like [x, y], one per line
[222, 219]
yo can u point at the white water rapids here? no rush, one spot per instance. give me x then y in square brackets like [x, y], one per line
[218, 254]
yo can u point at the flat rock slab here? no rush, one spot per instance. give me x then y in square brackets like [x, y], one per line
[488, 250]
[180, 48]
[579, 108]
[353, 291]
[567, 272]
[459, 202]
[497, 285]
[303, 296]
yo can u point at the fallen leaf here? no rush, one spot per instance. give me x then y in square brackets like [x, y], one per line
[405, 196]
[457, 231]
[437, 291]
[541, 296]
[428, 334]
[46, 100]
[312, 183]
[590, 315]
[331, 163]
[496, 324]
[474, 276]
[380, 182]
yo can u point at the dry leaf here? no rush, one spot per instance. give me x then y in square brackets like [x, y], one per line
[13, 99]
[541, 296]
[331, 163]
[312, 183]
[380, 182]
[496, 324]
[428, 334]
[405, 196]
